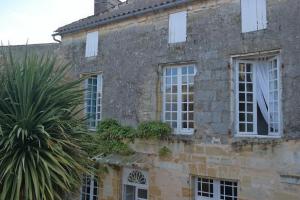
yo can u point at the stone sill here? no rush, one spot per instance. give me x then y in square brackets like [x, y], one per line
[242, 141]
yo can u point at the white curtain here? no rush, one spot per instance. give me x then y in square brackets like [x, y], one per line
[262, 88]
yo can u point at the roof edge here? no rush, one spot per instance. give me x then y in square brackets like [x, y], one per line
[118, 17]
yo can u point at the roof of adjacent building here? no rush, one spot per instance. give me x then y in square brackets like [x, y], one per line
[124, 11]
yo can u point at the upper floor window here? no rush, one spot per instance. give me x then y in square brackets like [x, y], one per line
[258, 97]
[135, 185]
[93, 100]
[91, 48]
[89, 188]
[178, 98]
[177, 27]
[254, 15]
[214, 189]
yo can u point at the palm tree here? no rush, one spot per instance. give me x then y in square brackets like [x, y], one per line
[39, 158]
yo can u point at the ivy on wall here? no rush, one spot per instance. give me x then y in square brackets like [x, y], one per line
[113, 137]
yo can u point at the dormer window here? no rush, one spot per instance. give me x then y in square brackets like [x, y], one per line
[91, 48]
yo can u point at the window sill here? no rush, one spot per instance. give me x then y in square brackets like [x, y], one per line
[239, 142]
[91, 57]
[257, 136]
[181, 137]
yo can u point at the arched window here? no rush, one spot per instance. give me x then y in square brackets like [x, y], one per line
[137, 177]
[135, 184]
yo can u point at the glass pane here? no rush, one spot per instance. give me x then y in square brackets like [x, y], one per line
[168, 71]
[142, 193]
[129, 192]
[184, 70]
[191, 70]
[174, 71]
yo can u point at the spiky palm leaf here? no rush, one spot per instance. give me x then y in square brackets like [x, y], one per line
[38, 157]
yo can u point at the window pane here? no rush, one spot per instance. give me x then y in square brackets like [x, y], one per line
[273, 97]
[205, 187]
[245, 97]
[129, 192]
[142, 193]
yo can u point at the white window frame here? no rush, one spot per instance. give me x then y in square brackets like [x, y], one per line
[99, 94]
[125, 182]
[255, 19]
[255, 133]
[178, 27]
[91, 46]
[216, 189]
[179, 129]
[92, 187]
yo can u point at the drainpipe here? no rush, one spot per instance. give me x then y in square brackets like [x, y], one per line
[54, 38]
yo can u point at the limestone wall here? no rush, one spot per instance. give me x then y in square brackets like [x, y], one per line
[132, 54]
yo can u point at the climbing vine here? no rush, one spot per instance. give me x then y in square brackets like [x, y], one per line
[113, 137]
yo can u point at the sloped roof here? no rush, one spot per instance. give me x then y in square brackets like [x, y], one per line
[137, 8]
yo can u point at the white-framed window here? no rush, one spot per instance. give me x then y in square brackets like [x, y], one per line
[178, 98]
[91, 48]
[177, 27]
[89, 188]
[258, 97]
[135, 184]
[93, 100]
[215, 189]
[254, 15]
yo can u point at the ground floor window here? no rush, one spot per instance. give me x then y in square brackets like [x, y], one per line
[215, 189]
[89, 188]
[135, 184]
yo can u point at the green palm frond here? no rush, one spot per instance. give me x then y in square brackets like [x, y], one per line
[39, 158]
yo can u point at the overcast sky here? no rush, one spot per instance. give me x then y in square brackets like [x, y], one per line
[35, 20]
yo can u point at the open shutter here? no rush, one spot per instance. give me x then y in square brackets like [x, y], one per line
[91, 44]
[261, 14]
[249, 17]
[177, 27]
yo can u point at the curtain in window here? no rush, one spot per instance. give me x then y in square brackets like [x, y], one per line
[262, 90]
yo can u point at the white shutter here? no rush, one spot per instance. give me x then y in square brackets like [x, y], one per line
[261, 14]
[249, 17]
[91, 48]
[177, 27]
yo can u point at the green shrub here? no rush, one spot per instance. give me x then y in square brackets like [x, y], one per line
[111, 129]
[153, 129]
[164, 152]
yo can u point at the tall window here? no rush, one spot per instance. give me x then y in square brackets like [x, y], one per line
[177, 27]
[178, 98]
[93, 100]
[258, 97]
[91, 48]
[215, 189]
[254, 15]
[135, 185]
[89, 188]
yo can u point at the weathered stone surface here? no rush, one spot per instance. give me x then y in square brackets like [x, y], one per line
[131, 56]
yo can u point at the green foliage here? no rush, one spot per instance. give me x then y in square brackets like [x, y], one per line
[112, 137]
[112, 130]
[164, 152]
[154, 129]
[39, 158]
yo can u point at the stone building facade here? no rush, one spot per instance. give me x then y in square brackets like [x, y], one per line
[236, 130]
